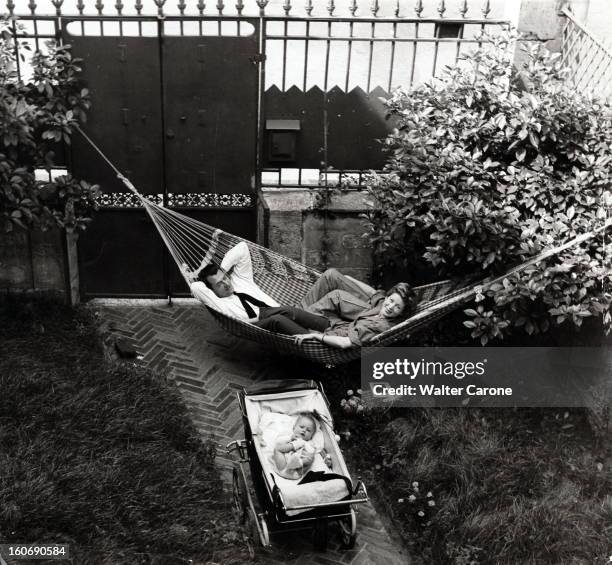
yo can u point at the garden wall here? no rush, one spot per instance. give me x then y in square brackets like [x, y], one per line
[296, 227]
[34, 261]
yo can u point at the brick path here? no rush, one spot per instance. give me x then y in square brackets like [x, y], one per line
[208, 365]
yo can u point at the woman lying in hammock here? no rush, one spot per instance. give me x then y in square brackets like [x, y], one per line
[337, 311]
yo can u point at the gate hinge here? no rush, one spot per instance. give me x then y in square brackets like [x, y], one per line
[258, 59]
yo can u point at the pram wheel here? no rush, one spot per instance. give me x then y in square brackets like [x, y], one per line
[239, 496]
[264, 535]
[348, 530]
[258, 528]
[319, 535]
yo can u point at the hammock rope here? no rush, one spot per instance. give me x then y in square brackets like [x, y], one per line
[193, 244]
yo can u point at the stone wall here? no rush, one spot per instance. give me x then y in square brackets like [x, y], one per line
[298, 229]
[33, 261]
[540, 21]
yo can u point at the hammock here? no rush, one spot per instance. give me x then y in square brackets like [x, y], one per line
[192, 244]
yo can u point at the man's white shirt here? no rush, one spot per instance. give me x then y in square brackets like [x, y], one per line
[237, 261]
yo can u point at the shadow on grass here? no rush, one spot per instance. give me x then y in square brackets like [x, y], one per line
[100, 456]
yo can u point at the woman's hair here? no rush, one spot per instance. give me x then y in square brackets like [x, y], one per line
[407, 294]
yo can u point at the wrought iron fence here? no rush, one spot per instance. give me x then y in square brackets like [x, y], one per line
[587, 58]
[343, 44]
[365, 52]
[370, 46]
[265, 8]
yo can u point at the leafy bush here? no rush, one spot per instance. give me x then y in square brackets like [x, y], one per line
[37, 116]
[487, 169]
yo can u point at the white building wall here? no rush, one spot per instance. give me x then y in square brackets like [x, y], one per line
[596, 15]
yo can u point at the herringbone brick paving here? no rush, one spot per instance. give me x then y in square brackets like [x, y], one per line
[209, 366]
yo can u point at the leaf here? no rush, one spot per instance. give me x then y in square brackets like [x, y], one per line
[18, 222]
[520, 154]
[489, 259]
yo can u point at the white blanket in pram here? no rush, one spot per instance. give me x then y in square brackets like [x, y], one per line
[271, 426]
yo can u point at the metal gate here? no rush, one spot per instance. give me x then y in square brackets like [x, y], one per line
[201, 109]
[185, 137]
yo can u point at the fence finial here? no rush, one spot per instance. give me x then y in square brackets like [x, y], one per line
[308, 7]
[118, 7]
[239, 7]
[201, 6]
[58, 6]
[220, 7]
[419, 8]
[32, 6]
[486, 10]
[375, 8]
[262, 7]
[441, 8]
[99, 6]
[80, 6]
[464, 8]
[287, 7]
[397, 9]
[331, 6]
[181, 6]
[353, 7]
[160, 6]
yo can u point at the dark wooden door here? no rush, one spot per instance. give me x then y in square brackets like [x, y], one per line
[178, 116]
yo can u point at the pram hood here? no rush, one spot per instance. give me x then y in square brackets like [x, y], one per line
[290, 401]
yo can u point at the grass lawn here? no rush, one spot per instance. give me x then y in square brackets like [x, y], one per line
[100, 456]
[472, 486]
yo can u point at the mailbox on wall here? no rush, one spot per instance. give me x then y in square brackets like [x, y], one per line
[282, 140]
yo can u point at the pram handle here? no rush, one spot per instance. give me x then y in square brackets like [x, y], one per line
[240, 446]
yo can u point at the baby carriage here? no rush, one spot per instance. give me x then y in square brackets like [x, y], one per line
[283, 504]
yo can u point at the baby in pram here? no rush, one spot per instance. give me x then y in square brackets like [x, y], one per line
[294, 453]
[293, 417]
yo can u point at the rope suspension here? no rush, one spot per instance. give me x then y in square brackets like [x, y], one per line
[194, 244]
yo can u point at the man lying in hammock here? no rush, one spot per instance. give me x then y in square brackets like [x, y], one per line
[337, 311]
